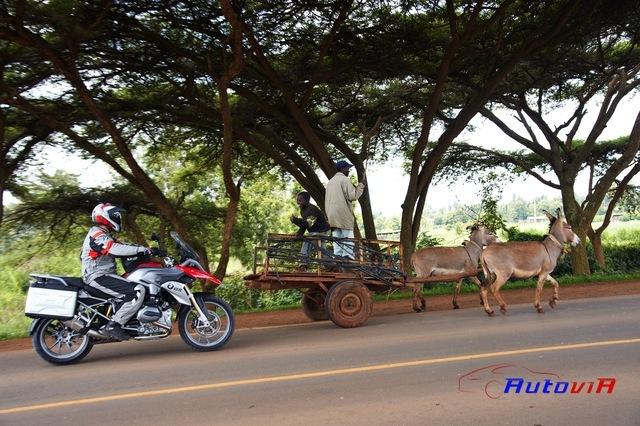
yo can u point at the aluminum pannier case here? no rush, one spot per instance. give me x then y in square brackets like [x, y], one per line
[49, 297]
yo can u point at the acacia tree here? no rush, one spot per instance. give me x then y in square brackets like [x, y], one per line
[19, 132]
[18, 137]
[603, 70]
[61, 48]
[475, 29]
[304, 95]
[503, 35]
[605, 158]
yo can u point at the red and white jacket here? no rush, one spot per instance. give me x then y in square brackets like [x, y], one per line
[99, 252]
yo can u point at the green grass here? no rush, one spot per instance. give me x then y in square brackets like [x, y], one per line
[14, 281]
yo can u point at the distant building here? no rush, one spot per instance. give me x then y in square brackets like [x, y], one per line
[536, 219]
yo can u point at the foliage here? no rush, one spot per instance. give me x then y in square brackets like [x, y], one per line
[630, 201]
[515, 234]
[490, 195]
[15, 265]
[427, 240]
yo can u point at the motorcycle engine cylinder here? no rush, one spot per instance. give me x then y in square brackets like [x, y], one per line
[149, 313]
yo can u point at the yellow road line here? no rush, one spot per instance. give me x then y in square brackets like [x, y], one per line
[310, 375]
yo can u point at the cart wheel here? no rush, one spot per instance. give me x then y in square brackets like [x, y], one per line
[313, 305]
[349, 304]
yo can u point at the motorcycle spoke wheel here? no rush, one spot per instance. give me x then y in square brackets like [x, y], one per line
[201, 336]
[59, 344]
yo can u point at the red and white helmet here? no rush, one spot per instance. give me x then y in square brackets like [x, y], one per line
[108, 215]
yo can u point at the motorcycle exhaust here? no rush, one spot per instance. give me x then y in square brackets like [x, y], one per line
[96, 334]
[77, 324]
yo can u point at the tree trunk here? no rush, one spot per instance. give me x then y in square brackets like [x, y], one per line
[598, 250]
[575, 217]
[233, 190]
[579, 258]
[406, 228]
[227, 235]
[367, 215]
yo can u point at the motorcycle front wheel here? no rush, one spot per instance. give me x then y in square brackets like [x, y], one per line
[59, 344]
[207, 338]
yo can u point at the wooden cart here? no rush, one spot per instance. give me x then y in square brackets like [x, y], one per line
[332, 287]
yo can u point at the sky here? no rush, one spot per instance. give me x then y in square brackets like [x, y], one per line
[387, 182]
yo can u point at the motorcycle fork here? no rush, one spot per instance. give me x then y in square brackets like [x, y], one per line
[200, 311]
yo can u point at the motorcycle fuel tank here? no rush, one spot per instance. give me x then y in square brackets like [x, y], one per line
[155, 276]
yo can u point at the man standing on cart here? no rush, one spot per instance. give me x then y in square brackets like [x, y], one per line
[339, 196]
[313, 221]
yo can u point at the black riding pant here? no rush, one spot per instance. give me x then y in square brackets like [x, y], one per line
[129, 295]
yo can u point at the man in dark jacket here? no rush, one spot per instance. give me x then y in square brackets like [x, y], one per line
[312, 220]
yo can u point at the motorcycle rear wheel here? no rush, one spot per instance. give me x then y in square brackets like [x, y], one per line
[58, 344]
[220, 330]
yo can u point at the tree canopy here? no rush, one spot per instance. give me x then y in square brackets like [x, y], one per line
[195, 103]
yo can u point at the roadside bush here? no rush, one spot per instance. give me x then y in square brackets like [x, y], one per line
[427, 240]
[241, 298]
[622, 258]
[234, 292]
[12, 298]
[622, 252]
[515, 234]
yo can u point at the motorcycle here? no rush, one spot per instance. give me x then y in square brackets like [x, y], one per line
[67, 317]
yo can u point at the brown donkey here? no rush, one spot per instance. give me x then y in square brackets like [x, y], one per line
[434, 261]
[526, 259]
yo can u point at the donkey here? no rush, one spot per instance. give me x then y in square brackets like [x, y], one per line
[434, 261]
[526, 259]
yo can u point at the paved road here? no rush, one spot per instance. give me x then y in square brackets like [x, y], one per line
[431, 368]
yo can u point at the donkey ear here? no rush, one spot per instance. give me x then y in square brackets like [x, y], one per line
[559, 213]
[549, 215]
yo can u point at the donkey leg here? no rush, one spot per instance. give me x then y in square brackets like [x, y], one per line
[456, 292]
[555, 297]
[485, 301]
[484, 298]
[417, 301]
[477, 282]
[541, 279]
[495, 290]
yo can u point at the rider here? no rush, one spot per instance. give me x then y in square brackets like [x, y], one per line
[98, 255]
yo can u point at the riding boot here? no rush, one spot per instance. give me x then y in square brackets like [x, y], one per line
[114, 331]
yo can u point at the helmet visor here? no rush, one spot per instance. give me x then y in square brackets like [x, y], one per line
[116, 217]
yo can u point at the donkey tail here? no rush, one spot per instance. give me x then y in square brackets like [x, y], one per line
[489, 276]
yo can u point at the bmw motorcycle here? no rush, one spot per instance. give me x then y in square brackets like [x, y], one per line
[68, 318]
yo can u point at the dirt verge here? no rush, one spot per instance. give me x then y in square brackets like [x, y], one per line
[393, 307]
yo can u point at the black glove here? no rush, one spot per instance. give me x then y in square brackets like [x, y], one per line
[144, 252]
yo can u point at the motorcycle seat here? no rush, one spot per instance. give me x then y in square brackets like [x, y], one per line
[74, 282]
[77, 282]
